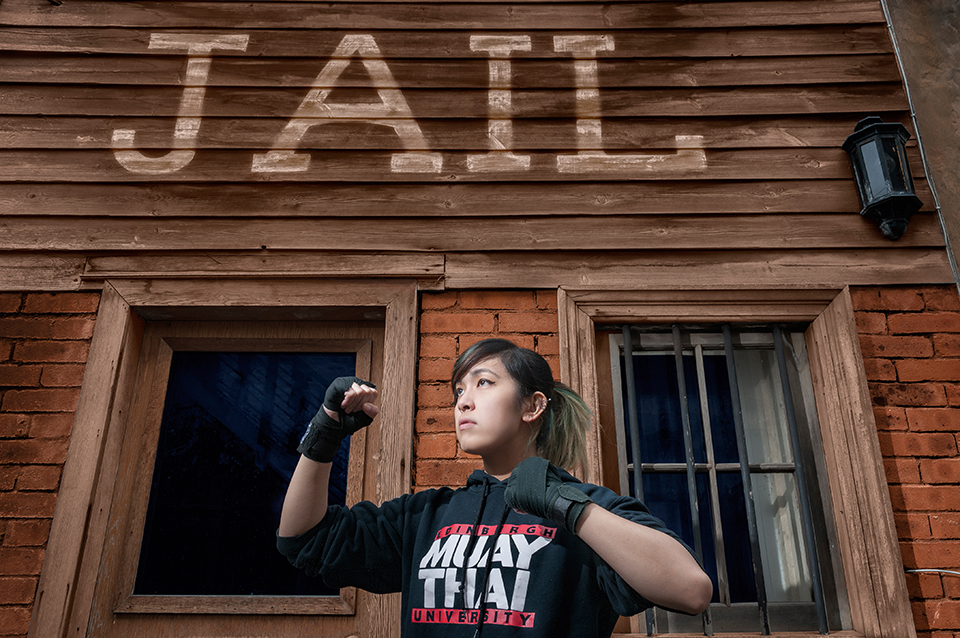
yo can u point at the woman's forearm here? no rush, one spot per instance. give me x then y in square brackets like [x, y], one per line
[657, 567]
[306, 501]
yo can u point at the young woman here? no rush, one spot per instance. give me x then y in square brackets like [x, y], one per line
[524, 550]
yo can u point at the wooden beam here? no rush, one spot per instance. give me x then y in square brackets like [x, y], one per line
[821, 39]
[501, 199]
[699, 270]
[40, 271]
[873, 567]
[453, 15]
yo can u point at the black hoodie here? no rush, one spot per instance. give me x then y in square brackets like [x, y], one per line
[541, 581]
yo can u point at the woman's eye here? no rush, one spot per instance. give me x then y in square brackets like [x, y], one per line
[483, 382]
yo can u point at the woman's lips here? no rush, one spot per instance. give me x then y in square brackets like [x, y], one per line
[466, 423]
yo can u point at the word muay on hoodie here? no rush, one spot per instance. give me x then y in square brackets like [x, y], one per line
[463, 561]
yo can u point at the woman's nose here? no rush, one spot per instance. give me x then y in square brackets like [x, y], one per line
[464, 402]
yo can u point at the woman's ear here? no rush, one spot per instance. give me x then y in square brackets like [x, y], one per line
[533, 406]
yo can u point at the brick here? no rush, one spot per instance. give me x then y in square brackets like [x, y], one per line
[932, 555]
[879, 370]
[941, 298]
[20, 561]
[51, 425]
[46, 328]
[953, 394]
[945, 525]
[946, 345]
[925, 498]
[30, 533]
[433, 301]
[8, 477]
[912, 370]
[39, 478]
[457, 323]
[14, 426]
[890, 418]
[10, 301]
[528, 322]
[13, 375]
[951, 589]
[69, 375]
[912, 527]
[908, 394]
[62, 303]
[547, 299]
[913, 323]
[524, 340]
[937, 614]
[437, 446]
[52, 351]
[17, 590]
[886, 299]
[895, 346]
[6, 349]
[435, 420]
[933, 419]
[498, 299]
[14, 621]
[41, 400]
[27, 451]
[548, 345]
[902, 470]
[435, 370]
[900, 444]
[924, 585]
[27, 504]
[451, 473]
[871, 322]
[438, 347]
[940, 470]
[434, 396]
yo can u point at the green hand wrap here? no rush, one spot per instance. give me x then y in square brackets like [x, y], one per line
[535, 487]
[323, 436]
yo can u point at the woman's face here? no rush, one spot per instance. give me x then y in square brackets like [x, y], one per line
[490, 420]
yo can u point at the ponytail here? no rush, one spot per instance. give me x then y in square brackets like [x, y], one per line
[562, 437]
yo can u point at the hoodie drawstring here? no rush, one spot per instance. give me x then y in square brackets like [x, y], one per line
[471, 543]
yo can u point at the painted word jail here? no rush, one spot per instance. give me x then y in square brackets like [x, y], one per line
[729, 225]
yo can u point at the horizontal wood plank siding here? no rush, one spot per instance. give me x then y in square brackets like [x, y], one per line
[681, 126]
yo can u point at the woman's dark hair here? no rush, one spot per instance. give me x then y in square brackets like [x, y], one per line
[560, 432]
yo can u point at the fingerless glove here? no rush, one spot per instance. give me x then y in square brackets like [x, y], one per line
[323, 436]
[536, 487]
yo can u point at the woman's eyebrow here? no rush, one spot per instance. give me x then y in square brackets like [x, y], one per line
[477, 371]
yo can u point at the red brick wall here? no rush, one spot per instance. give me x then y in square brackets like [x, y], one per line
[44, 340]
[449, 323]
[910, 339]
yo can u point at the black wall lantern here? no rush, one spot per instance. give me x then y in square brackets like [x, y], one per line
[879, 157]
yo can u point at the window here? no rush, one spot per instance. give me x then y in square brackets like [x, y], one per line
[198, 376]
[852, 470]
[739, 392]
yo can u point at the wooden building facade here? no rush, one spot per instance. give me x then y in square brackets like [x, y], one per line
[394, 181]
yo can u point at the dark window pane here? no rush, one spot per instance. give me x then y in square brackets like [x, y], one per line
[227, 449]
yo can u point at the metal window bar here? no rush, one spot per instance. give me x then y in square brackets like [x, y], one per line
[691, 472]
[745, 478]
[634, 424]
[811, 543]
[746, 469]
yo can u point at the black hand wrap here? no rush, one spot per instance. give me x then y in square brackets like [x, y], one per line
[323, 436]
[535, 487]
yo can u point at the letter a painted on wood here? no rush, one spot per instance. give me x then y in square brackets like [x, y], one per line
[392, 111]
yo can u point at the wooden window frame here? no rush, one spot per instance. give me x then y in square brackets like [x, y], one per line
[870, 553]
[68, 581]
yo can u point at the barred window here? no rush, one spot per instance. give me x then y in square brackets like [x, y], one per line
[727, 414]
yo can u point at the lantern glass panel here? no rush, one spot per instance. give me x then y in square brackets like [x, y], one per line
[896, 164]
[876, 185]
